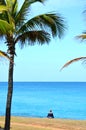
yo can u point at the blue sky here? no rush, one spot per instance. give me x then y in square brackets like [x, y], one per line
[43, 63]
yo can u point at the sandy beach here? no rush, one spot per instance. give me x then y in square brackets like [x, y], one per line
[20, 123]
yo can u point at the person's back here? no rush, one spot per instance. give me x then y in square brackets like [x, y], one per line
[50, 114]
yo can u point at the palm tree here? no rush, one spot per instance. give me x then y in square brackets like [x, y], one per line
[15, 28]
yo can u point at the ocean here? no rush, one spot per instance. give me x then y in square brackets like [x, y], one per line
[35, 99]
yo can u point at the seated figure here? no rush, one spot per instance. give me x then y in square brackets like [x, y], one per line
[50, 114]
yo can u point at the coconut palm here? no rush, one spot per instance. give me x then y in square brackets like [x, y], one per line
[16, 28]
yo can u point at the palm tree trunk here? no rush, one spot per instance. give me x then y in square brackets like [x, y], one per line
[9, 95]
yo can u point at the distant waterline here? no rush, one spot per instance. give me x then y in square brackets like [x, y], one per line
[35, 99]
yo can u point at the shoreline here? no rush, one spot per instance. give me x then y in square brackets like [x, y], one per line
[44, 117]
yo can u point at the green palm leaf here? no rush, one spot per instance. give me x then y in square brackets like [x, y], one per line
[33, 36]
[50, 22]
[14, 8]
[5, 27]
[3, 8]
[21, 16]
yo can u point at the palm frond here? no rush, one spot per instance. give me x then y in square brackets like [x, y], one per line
[33, 37]
[21, 16]
[50, 22]
[11, 21]
[34, 1]
[3, 8]
[72, 61]
[4, 55]
[5, 27]
[14, 8]
[9, 4]
[82, 37]
[7, 10]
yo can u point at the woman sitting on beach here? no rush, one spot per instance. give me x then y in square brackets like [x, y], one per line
[50, 114]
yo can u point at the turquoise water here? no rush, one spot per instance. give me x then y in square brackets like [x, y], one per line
[35, 99]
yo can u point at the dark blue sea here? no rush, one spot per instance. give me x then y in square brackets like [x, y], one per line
[35, 99]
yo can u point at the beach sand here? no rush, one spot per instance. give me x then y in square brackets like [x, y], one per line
[24, 123]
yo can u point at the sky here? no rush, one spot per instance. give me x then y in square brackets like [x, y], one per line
[43, 63]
